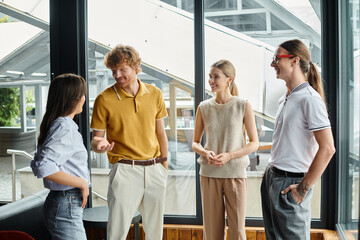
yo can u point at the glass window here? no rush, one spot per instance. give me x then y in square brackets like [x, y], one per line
[249, 38]
[350, 121]
[163, 36]
[24, 81]
[216, 5]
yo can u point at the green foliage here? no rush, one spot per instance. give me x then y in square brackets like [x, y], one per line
[9, 106]
[29, 100]
[4, 19]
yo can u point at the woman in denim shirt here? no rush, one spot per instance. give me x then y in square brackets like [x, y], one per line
[61, 159]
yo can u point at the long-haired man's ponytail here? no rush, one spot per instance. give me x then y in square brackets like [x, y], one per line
[298, 48]
[314, 79]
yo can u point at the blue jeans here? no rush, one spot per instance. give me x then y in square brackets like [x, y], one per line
[284, 218]
[63, 215]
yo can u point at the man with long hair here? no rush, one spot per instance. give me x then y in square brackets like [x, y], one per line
[302, 145]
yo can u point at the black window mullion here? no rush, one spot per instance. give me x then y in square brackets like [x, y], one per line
[330, 46]
[68, 52]
[199, 47]
[199, 59]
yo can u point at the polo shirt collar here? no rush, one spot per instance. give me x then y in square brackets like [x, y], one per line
[299, 87]
[121, 94]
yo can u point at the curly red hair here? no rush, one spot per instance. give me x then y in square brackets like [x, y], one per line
[123, 54]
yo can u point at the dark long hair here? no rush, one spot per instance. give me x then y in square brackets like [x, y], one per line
[298, 48]
[64, 93]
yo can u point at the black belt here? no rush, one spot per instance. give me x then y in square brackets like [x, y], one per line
[64, 192]
[143, 162]
[287, 174]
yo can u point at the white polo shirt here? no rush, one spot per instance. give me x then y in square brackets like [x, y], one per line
[300, 114]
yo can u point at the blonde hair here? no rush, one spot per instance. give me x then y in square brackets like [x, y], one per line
[298, 48]
[229, 71]
[123, 54]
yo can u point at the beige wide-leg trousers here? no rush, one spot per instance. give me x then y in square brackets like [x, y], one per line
[134, 188]
[217, 195]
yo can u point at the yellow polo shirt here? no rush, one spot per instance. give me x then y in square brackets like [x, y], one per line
[130, 122]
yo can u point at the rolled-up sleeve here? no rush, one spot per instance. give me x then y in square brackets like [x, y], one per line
[53, 153]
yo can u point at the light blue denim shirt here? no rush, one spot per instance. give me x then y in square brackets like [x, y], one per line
[63, 149]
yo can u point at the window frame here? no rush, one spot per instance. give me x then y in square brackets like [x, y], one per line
[330, 49]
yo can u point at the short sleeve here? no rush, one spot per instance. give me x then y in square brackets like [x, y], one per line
[161, 112]
[53, 153]
[316, 113]
[99, 115]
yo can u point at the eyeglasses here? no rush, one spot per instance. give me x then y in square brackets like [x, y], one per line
[276, 58]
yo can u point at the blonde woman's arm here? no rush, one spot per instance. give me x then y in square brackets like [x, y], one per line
[198, 133]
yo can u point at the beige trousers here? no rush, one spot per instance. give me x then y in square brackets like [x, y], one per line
[217, 195]
[134, 188]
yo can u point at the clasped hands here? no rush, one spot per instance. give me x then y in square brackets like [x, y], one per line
[217, 160]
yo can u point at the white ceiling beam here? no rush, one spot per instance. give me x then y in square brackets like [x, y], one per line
[37, 65]
[234, 12]
[23, 16]
[295, 23]
[25, 51]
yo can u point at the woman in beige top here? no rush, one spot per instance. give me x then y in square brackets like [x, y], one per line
[224, 157]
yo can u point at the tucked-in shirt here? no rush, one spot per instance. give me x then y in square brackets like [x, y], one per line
[300, 114]
[224, 131]
[62, 150]
[129, 122]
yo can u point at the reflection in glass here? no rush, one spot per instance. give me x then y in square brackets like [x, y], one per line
[24, 79]
[247, 33]
[248, 36]
[349, 181]
[163, 36]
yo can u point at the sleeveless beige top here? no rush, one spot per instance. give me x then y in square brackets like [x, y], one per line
[224, 131]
